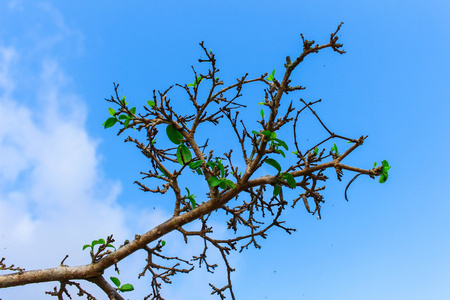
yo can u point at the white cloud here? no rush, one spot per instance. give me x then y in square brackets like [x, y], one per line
[53, 196]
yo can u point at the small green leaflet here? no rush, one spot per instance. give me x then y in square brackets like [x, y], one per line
[262, 113]
[273, 163]
[163, 243]
[316, 151]
[151, 103]
[124, 288]
[112, 112]
[97, 242]
[174, 135]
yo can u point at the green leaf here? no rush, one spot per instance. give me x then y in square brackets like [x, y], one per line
[290, 180]
[262, 113]
[273, 163]
[267, 133]
[213, 181]
[133, 110]
[124, 117]
[229, 183]
[255, 132]
[222, 184]
[86, 246]
[125, 125]
[280, 152]
[163, 243]
[383, 178]
[174, 135]
[316, 151]
[115, 280]
[183, 154]
[109, 245]
[281, 143]
[126, 288]
[211, 164]
[222, 169]
[165, 174]
[276, 190]
[374, 164]
[98, 242]
[110, 122]
[195, 164]
[151, 103]
[192, 200]
[112, 112]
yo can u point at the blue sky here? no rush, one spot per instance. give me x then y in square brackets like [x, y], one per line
[61, 172]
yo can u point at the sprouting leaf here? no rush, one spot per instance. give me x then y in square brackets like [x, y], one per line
[197, 81]
[374, 164]
[174, 135]
[124, 117]
[151, 103]
[133, 110]
[294, 152]
[334, 148]
[273, 163]
[111, 246]
[183, 154]
[276, 190]
[290, 180]
[123, 102]
[109, 122]
[115, 280]
[262, 113]
[255, 132]
[261, 103]
[87, 246]
[383, 178]
[126, 288]
[213, 181]
[271, 77]
[112, 112]
[316, 151]
[163, 243]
